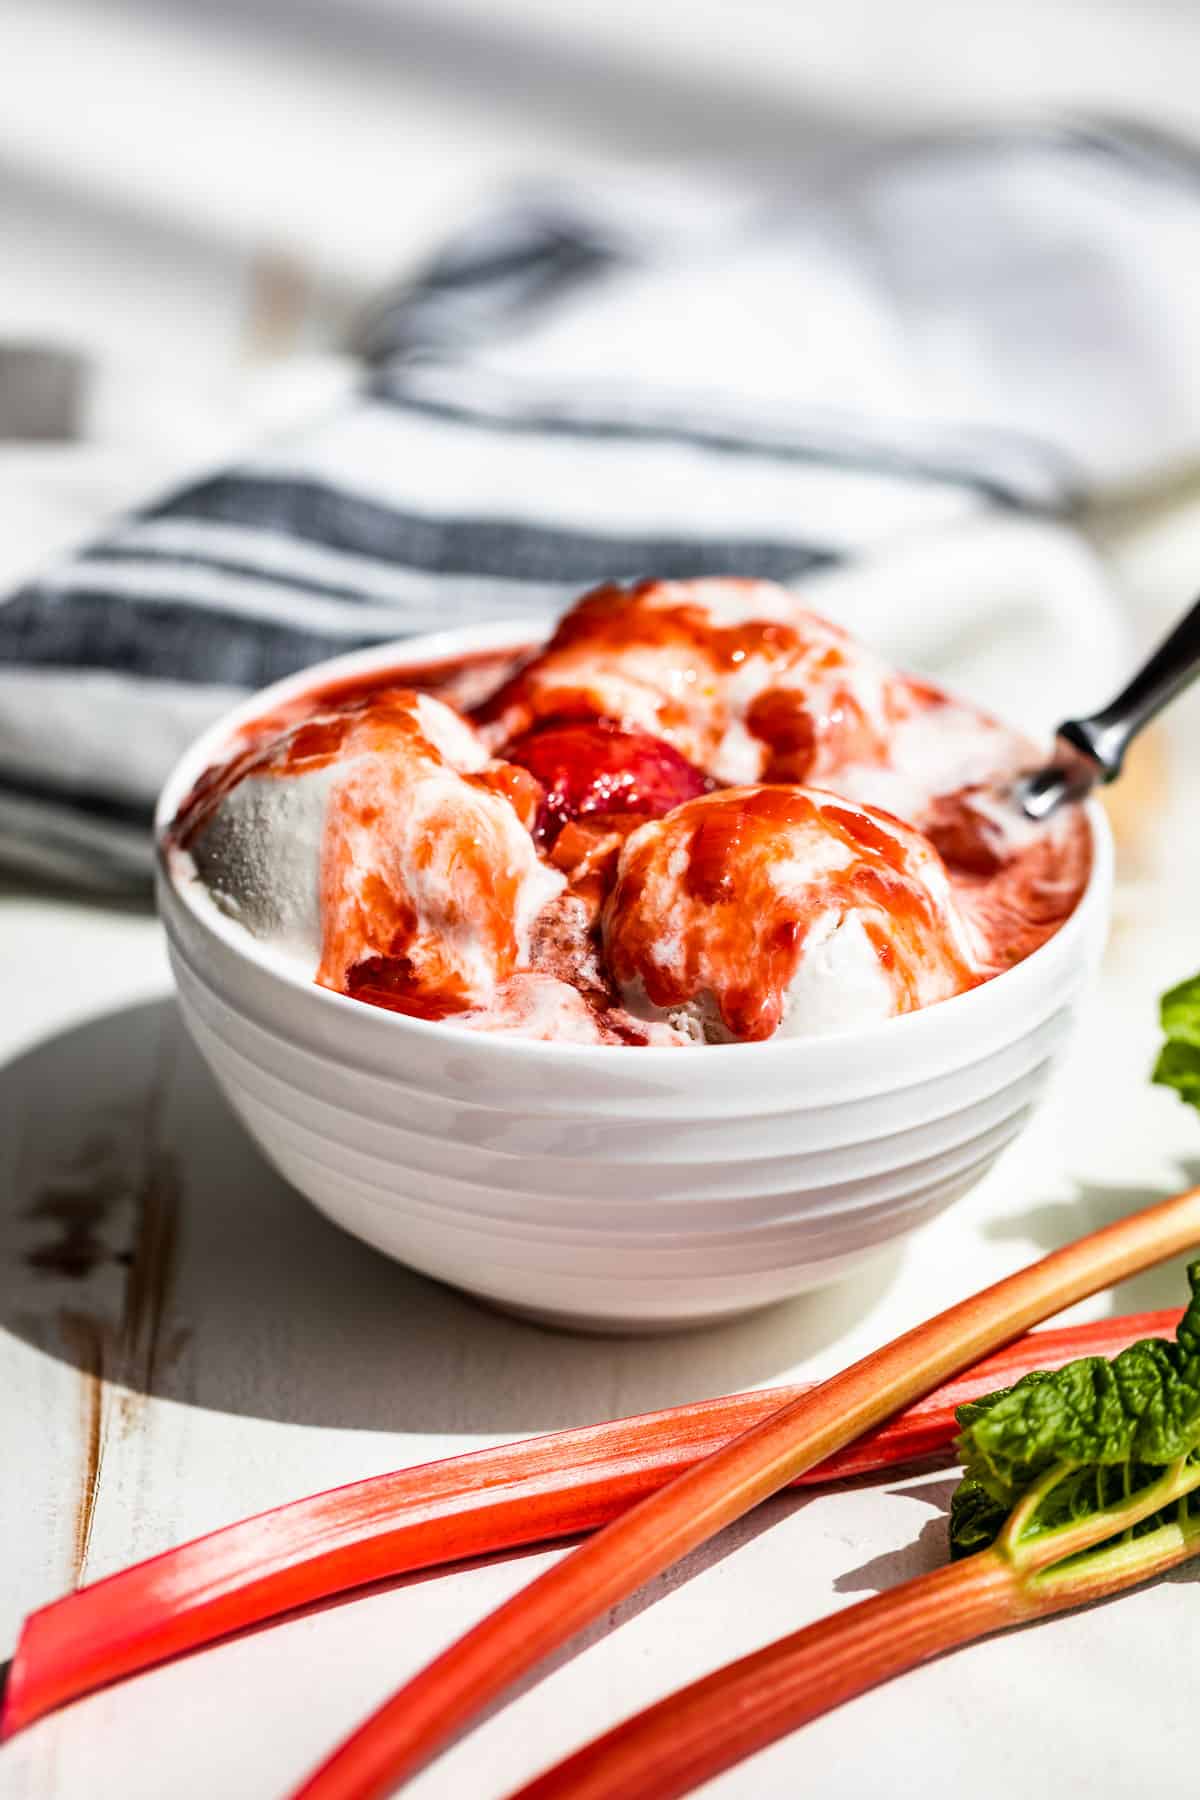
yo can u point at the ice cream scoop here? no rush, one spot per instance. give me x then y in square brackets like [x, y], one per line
[700, 813]
[742, 683]
[779, 909]
[737, 675]
[380, 846]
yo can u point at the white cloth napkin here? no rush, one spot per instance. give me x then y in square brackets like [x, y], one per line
[907, 358]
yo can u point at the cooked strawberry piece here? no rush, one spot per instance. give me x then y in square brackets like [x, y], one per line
[597, 767]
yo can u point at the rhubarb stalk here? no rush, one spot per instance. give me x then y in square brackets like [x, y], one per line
[694, 1734]
[478, 1504]
[487, 1661]
[1078, 1484]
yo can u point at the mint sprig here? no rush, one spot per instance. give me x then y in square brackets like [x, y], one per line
[1049, 1460]
[1178, 1064]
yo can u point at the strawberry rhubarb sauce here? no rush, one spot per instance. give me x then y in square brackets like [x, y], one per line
[700, 814]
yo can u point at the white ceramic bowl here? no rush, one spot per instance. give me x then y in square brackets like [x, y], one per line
[611, 1187]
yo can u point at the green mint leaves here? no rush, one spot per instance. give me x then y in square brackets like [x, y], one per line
[1072, 1463]
[1178, 1064]
[1109, 1430]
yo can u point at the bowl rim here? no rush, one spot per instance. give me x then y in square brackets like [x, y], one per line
[515, 634]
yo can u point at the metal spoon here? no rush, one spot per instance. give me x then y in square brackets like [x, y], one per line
[1088, 752]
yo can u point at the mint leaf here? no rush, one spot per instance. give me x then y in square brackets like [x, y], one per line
[1179, 1012]
[970, 1410]
[1178, 1067]
[1178, 1064]
[1110, 1426]
[976, 1520]
[1187, 1332]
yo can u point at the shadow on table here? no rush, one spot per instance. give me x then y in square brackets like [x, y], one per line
[145, 1241]
[928, 1550]
[1093, 1205]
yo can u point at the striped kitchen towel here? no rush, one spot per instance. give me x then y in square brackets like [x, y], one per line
[659, 377]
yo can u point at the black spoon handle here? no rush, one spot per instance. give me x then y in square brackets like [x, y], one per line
[1105, 735]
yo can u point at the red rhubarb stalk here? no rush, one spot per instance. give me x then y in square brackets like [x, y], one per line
[694, 1734]
[450, 1692]
[488, 1501]
[1076, 1485]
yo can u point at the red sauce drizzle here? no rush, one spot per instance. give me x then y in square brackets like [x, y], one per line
[582, 783]
[596, 767]
[742, 939]
[452, 679]
[616, 618]
[372, 933]
[611, 621]
[393, 983]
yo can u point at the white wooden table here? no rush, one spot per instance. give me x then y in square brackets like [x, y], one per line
[183, 1342]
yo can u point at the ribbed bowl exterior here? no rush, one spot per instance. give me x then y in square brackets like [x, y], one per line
[608, 1187]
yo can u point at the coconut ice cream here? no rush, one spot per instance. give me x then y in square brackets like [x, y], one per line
[782, 910]
[699, 814]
